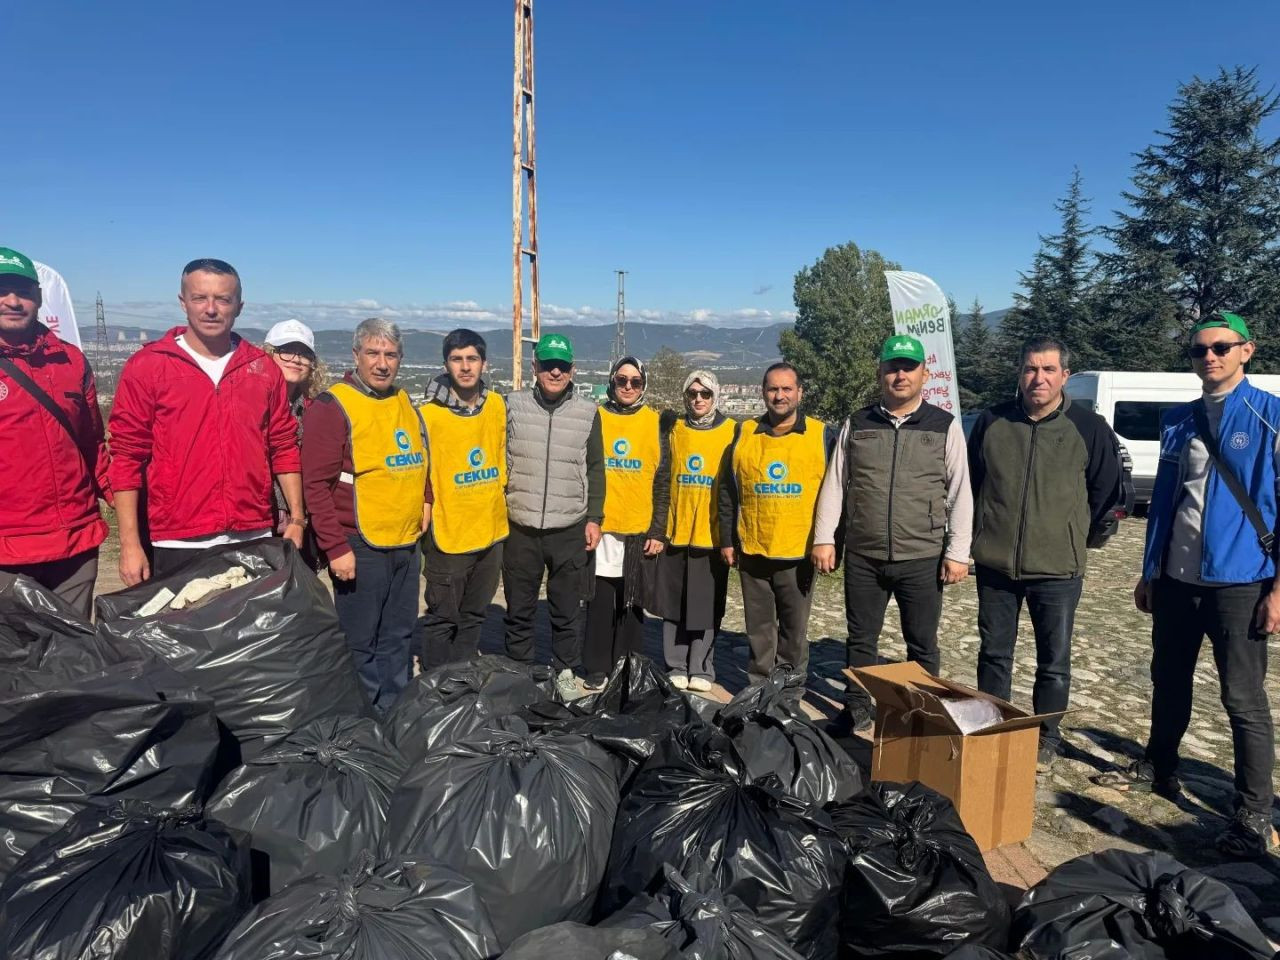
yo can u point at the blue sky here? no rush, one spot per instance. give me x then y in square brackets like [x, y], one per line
[353, 158]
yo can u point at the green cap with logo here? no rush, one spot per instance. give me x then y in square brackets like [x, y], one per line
[12, 263]
[902, 347]
[554, 346]
[1224, 318]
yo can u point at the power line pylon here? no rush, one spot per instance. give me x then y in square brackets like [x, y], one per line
[620, 334]
[523, 179]
[100, 340]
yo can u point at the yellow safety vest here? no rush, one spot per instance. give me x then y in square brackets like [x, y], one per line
[778, 480]
[389, 464]
[632, 448]
[468, 475]
[695, 467]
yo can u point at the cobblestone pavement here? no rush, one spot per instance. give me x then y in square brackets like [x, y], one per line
[1107, 726]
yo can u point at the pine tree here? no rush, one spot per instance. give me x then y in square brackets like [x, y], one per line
[1203, 231]
[974, 360]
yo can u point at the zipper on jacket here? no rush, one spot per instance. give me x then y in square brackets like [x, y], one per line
[893, 473]
[546, 476]
[1026, 495]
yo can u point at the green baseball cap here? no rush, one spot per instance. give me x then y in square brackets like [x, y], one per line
[902, 347]
[12, 263]
[554, 346]
[1223, 318]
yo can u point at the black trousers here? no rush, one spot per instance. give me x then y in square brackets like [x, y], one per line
[613, 628]
[868, 585]
[776, 597]
[72, 578]
[460, 587]
[1052, 605]
[1182, 614]
[563, 557]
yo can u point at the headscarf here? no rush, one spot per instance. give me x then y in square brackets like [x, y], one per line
[618, 364]
[709, 382]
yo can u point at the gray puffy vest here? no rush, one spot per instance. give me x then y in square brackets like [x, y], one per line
[547, 460]
[896, 484]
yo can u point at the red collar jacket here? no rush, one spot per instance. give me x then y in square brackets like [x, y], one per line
[205, 455]
[49, 510]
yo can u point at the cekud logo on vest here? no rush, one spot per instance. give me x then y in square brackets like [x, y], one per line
[404, 459]
[695, 477]
[777, 472]
[478, 473]
[620, 460]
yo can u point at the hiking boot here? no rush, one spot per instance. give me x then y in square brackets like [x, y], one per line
[854, 718]
[567, 685]
[1046, 755]
[699, 684]
[1140, 777]
[595, 682]
[1251, 836]
[679, 680]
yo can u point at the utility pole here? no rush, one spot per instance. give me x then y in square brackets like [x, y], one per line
[523, 169]
[620, 335]
[100, 341]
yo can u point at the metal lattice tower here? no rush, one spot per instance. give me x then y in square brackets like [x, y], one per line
[100, 339]
[523, 180]
[620, 334]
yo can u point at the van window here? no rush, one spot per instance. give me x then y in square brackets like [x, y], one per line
[1140, 419]
[1084, 402]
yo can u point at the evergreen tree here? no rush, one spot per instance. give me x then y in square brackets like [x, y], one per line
[975, 362]
[665, 375]
[1203, 231]
[842, 317]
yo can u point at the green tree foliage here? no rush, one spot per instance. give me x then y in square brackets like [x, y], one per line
[1203, 231]
[666, 373]
[842, 317]
[980, 371]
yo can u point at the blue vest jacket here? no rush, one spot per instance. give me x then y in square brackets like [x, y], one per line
[1246, 445]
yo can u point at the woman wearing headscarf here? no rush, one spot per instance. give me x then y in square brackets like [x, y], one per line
[691, 578]
[636, 466]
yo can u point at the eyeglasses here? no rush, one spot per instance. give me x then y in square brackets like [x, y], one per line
[1201, 350]
[699, 394]
[291, 357]
[635, 383]
[557, 366]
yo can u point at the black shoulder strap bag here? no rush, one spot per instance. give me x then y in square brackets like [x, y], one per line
[1266, 536]
[42, 398]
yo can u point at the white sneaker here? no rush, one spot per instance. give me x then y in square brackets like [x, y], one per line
[679, 680]
[699, 684]
[567, 685]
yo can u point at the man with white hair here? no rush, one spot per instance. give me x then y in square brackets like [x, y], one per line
[364, 471]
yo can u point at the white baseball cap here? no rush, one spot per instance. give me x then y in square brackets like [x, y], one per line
[291, 331]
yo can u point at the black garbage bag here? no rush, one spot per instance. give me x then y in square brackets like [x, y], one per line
[450, 701]
[916, 885]
[134, 731]
[637, 707]
[526, 817]
[393, 910]
[126, 882]
[312, 802]
[574, 941]
[694, 806]
[1116, 905]
[702, 925]
[40, 633]
[773, 735]
[270, 653]
[975, 951]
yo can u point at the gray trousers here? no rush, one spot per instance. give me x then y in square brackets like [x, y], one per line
[691, 652]
[71, 579]
[776, 596]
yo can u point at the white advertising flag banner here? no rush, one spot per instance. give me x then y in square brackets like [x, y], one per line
[920, 310]
[56, 311]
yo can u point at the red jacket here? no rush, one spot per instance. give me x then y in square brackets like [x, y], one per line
[205, 455]
[49, 509]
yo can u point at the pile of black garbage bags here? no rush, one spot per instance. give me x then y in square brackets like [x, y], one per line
[206, 783]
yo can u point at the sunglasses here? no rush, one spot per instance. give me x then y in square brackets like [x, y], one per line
[635, 383]
[699, 394]
[555, 365]
[1201, 350]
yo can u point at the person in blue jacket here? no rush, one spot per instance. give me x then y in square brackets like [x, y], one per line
[1208, 570]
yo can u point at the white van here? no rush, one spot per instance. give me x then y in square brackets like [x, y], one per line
[1133, 404]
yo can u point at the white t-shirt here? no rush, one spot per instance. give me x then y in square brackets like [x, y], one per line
[609, 555]
[214, 368]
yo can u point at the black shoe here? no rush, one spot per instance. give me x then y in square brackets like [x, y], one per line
[1140, 777]
[1251, 836]
[854, 718]
[1046, 755]
[595, 682]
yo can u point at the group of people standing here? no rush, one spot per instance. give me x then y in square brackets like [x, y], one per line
[622, 509]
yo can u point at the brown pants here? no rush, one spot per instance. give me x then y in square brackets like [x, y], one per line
[72, 579]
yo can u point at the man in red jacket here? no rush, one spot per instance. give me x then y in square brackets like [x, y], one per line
[201, 422]
[51, 447]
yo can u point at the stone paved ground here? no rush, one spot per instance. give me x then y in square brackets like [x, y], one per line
[1107, 726]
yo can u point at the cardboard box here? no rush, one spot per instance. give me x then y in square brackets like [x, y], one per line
[990, 775]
